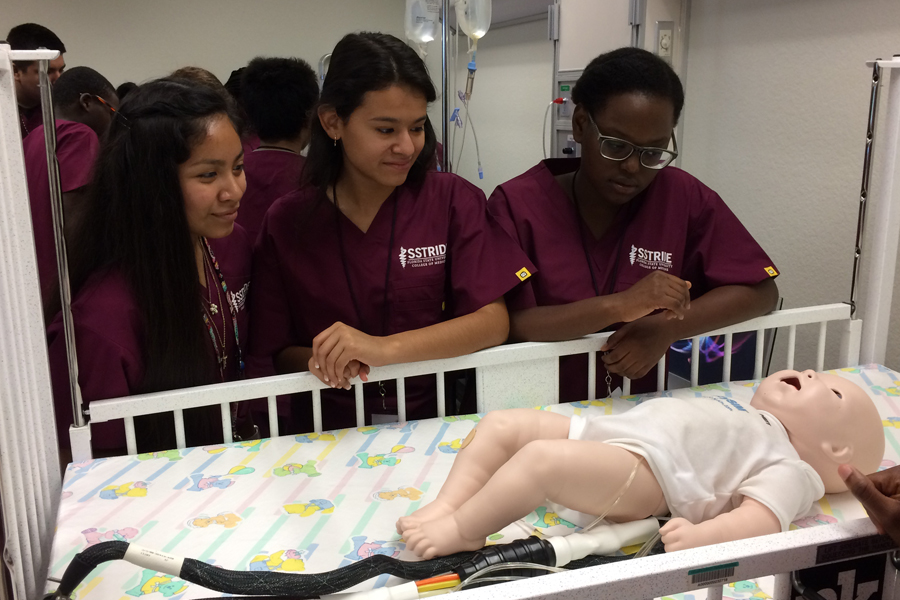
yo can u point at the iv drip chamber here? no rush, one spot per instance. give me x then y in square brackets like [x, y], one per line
[474, 17]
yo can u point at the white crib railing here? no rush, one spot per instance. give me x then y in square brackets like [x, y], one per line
[509, 376]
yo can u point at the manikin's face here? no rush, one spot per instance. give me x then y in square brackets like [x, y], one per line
[28, 88]
[793, 396]
[642, 120]
[212, 181]
[383, 137]
[829, 420]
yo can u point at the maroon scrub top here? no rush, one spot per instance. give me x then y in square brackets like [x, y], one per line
[76, 149]
[449, 258]
[271, 173]
[677, 225]
[30, 119]
[109, 338]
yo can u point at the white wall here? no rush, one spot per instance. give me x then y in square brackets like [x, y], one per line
[512, 88]
[135, 41]
[776, 107]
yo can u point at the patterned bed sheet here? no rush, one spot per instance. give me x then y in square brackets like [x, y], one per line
[319, 501]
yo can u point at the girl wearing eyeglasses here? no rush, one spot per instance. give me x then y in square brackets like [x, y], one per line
[619, 236]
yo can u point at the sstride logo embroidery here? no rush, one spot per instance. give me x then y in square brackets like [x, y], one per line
[424, 256]
[239, 299]
[655, 260]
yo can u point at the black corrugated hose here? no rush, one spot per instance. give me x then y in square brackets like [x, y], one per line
[303, 586]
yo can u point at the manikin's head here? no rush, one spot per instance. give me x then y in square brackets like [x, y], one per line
[830, 421]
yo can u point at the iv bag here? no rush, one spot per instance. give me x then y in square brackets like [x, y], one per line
[421, 20]
[474, 17]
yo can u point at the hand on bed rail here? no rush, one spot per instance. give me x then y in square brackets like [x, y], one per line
[636, 347]
[353, 369]
[879, 493]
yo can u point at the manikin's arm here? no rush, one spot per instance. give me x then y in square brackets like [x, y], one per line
[750, 519]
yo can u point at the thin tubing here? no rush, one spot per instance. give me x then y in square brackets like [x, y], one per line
[621, 493]
[438, 579]
[544, 132]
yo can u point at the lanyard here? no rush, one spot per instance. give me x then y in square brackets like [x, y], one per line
[387, 273]
[587, 257]
[387, 277]
[231, 309]
[584, 245]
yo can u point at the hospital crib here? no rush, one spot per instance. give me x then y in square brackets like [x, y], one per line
[525, 375]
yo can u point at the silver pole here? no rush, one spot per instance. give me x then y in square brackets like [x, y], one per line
[62, 262]
[445, 86]
[864, 191]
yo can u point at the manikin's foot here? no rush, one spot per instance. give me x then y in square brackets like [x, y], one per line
[439, 538]
[429, 512]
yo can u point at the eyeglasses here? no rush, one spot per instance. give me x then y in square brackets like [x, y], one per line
[105, 103]
[616, 149]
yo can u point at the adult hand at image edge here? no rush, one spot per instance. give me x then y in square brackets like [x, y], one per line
[879, 493]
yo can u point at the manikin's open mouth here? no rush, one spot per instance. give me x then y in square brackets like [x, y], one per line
[792, 381]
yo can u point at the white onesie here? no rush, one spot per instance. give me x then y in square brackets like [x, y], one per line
[708, 453]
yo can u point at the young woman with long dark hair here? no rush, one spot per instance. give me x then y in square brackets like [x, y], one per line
[377, 258]
[159, 273]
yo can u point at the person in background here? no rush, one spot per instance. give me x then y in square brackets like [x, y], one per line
[620, 237]
[124, 89]
[85, 104]
[159, 271]
[248, 135]
[377, 259]
[201, 76]
[31, 36]
[278, 95]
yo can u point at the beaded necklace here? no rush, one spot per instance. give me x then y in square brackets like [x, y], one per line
[210, 325]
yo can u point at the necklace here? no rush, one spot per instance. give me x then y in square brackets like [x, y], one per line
[210, 325]
[387, 277]
[218, 340]
[584, 244]
[587, 258]
[279, 148]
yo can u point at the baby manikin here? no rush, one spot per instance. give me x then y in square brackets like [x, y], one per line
[724, 470]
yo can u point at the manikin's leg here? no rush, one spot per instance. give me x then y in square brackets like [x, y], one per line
[586, 476]
[496, 438]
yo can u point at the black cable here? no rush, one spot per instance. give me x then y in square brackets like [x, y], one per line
[273, 583]
[303, 586]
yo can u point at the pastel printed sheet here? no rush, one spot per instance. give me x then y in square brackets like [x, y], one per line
[318, 501]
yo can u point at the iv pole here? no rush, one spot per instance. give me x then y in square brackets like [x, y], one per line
[875, 307]
[445, 86]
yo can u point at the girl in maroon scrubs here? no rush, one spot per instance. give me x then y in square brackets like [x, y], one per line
[378, 260]
[620, 237]
[159, 272]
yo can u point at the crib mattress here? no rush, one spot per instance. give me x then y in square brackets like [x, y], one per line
[315, 502]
